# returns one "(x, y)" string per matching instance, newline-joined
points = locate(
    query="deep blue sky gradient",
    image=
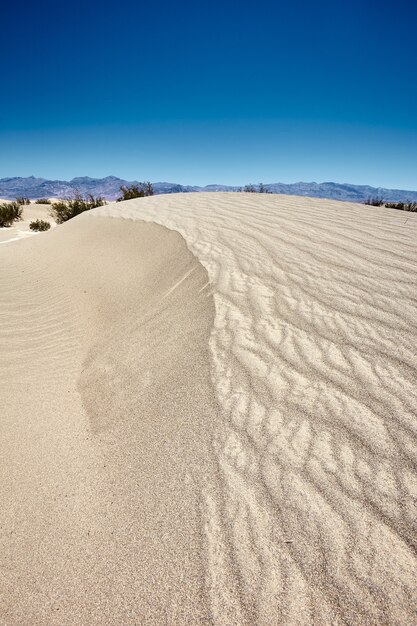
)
(221, 92)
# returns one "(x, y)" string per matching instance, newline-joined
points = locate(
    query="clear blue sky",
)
(215, 92)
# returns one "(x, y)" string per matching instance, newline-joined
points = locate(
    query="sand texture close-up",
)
(208, 413)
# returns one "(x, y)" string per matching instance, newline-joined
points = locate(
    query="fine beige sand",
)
(208, 415)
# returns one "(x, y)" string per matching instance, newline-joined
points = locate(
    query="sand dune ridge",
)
(312, 517)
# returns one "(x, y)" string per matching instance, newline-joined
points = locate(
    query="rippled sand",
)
(225, 434)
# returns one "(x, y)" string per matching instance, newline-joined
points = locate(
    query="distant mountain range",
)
(109, 187)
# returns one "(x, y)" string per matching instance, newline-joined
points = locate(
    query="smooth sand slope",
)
(224, 433)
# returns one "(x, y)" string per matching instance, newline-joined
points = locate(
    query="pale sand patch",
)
(294, 503)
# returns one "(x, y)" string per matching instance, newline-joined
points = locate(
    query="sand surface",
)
(211, 420)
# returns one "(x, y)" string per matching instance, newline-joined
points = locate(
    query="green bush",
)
(374, 201)
(64, 210)
(402, 206)
(263, 189)
(135, 191)
(252, 188)
(22, 200)
(43, 201)
(39, 225)
(10, 212)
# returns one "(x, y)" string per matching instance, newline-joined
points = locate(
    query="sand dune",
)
(221, 434)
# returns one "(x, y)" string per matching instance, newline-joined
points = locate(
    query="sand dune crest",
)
(312, 518)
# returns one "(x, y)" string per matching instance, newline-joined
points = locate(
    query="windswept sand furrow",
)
(310, 517)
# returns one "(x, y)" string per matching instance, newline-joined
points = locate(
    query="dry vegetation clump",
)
(139, 190)
(10, 212)
(39, 225)
(402, 206)
(22, 200)
(374, 201)
(64, 210)
(253, 189)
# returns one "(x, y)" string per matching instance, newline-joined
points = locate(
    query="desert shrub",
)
(10, 212)
(43, 201)
(22, 200)
(252, 188)
(263, 189)
(39, 225)
(374, 201)
(402, 206)
(65, 210)
(135, 191)
(395, 205)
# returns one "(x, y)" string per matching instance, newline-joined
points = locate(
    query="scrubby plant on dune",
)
(374, 201)
(22, 200)
(252, 188)
(10, 212)
(64, 210)
(135, 191)
(39, 225)
(43, 201)
(402, 206)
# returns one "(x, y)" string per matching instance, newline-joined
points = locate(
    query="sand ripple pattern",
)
(311, 516)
